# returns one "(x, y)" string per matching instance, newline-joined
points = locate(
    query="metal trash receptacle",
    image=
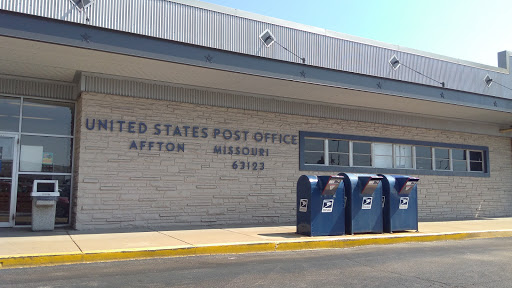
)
(363, 212)
(45, 194)
(320, 210)
(400, 209)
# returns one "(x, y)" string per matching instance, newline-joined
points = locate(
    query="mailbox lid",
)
(369, 183)
(405, 184)
(332, 185)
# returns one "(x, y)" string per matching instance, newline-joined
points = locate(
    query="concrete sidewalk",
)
(24, 248)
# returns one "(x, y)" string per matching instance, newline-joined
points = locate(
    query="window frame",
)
(19, 133)
(469, 160)
(380, 140)
(327, 151)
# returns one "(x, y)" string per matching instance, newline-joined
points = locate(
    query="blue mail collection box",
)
(400, 203)
(363, 212)
(320, 210)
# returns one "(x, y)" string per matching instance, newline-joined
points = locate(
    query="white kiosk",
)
(44, 202)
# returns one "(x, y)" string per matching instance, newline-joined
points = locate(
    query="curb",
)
(116, 255)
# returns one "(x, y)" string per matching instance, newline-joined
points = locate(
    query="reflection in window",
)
(362, 155)
(442, 159)
(6, 156)
(24, 201)
(423, 157)
(339, 152)
(460, 162)
(9, 114)
(314, 151)
(476, 161)
(47, 117)
(5, 199)
(348, 153)
(45, 154)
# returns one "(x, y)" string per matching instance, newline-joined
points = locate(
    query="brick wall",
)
(116, 186)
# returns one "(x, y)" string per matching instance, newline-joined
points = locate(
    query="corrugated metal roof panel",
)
(222, 30)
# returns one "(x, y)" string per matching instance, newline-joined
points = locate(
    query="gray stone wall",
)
(116, 186)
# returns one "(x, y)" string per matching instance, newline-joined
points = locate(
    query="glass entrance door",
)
(8, 178)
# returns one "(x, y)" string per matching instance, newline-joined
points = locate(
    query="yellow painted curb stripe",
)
(45, 260)
(347, 243)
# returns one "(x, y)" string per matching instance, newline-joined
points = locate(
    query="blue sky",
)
(470, 30)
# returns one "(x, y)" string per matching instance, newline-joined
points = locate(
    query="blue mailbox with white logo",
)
(363, 212)
(320, 210)
(400, 203)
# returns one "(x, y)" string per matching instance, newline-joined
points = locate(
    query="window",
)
(314, 151)
(9, 114)
(476, 161)
(361, 154)
(403, 156)
(45, 131)
(442, 159)
(383, 155)
(45, 154)
(24, 201)
(459, 160)
(423, 157)
(339, 152)
(46, 117)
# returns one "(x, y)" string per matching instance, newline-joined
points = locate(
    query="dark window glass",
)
(476, 161)
(45, 187)
(338, 146)
(314, 158)
(475, 156)
(5, 199)
(9, 114)
(45, 154)
(476, 166)
(460, 166)
(362, 160)
(338, 159)
(47, 117)
(314, 145)
(442, 164)
(458, 154)
(24, 201)
(442, 153)
(424, 163)
(423, 152)
(7, 145)
(362, 148)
